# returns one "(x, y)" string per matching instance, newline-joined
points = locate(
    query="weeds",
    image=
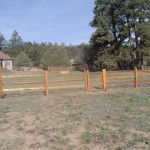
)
(117, 120)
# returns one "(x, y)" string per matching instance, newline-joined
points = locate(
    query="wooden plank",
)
(120, 82)
(23, 89)
(120, 71)
(46, 83)
(65, 87)
(93, 79)
(22, 76)
(16, 83)
(95, 73)
(69, 74)
(66, 80)
(143, 70)
(119, 77)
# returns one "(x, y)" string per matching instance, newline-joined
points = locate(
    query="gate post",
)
(86, 85)
(135, 77)
(46, 83)
(104, 79)
(87, 80)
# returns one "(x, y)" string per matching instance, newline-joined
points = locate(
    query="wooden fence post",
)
(86, 82)
(135, 77)
(104, 79)
(46, 83)
(1, 87)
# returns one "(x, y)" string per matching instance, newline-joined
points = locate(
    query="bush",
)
(23, 60)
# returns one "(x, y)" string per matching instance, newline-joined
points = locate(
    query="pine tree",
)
(23, 61)
(55, 56)
(2, 41)
(15, 39)
(120, 32)
(139, 26)
(15, 45)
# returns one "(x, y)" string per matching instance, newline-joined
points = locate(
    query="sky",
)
(55, 21)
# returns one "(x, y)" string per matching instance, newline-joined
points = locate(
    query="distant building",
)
(5, 61)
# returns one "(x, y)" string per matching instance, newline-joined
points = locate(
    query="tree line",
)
(39, 54)
(121, 40)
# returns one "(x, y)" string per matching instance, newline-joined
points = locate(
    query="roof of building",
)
(4, 56)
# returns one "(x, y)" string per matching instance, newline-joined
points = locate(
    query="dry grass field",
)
(118, 119)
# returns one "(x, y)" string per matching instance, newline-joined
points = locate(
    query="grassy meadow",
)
(118, 119)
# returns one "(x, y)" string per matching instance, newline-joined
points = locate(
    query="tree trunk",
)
(138, 59)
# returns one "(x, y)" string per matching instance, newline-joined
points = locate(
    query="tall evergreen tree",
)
(2, 41)
(138, 13)
(15, 45)
(15, 39)
(120, 34)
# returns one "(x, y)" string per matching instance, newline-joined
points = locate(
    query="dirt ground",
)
(118, 119)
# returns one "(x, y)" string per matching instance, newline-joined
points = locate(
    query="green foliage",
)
(36, 51)
(15, 39)
(55, 56)
(14, 46)
(82, 56)
(107, 62)
(2, 41)
(73, 51)
(23, 60)
(122, 32)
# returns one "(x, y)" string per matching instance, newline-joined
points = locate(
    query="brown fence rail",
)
(60, 68)
(86, 79)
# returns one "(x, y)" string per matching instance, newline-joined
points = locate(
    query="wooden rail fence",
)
(103, 80)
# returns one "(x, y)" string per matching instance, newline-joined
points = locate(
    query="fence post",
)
(1, 87)
(46, 83)
(86, 85)
(104, 79)
(135, 77)
(88, 81)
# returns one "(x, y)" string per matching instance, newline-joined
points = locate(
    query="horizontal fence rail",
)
(60, 68)
(86, 79)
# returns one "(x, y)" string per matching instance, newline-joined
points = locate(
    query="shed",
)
(5, 61)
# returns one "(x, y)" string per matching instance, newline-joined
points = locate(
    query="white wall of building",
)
(7, 64)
